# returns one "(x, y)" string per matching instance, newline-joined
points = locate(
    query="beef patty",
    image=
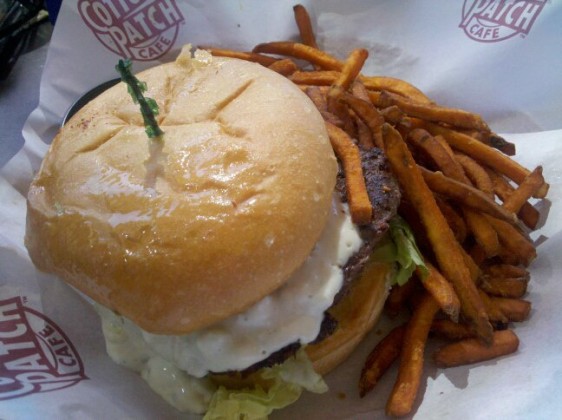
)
(384, 194)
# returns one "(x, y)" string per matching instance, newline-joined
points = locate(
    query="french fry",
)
(441, 290)
(473, 351)
(431, 112)
(405, 390)
(446, 328)
(465, 195)
(286, 67)
(359, 203)
(447, 250)
(301, 51)
(529, 187)
(484, 154)
(380, 359)
(302, 19)
(264, 60)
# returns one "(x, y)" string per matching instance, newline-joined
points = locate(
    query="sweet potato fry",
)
(351, 68)
(454, 219)
(510, 287)
(264, 60)
(514, 241)
(495, 313)
(483, 232)
(526, 190)
(338, 108)
(368, 114)
(507, 270)
(399, 296)
(304, 52)
(407, 383)
(497, 142)
(286, 67)
(477, 174)
(503, 189)
(316, 78)
(448, 329)
(302, 19)
(484, 154)
(515, 310)
(398, 86)
(380, 359)
(359, 203)
(473, 351)
(394, 116)
(446, 163)
(447, 250)
(359, 90)
(319, 98)
(432, 112)
(441, 290)
(465, 194)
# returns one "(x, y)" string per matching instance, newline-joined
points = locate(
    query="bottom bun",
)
(356, 315)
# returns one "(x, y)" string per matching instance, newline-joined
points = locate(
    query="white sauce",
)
(293, 313)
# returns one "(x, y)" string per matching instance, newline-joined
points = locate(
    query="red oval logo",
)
(35, 354)
(497, 20)
(138, 30)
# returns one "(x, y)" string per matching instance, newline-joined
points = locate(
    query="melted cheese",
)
(172, 364)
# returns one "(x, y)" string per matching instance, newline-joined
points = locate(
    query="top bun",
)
(232, 204)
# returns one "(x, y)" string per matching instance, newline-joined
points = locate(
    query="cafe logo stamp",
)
(497, 20)
(35, 354)
(134, 29)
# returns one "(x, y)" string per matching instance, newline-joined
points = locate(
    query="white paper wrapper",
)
(513, 82)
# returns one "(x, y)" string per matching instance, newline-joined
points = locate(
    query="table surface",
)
(19, 94)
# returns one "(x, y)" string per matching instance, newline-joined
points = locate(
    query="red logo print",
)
(139, 30)
(497, 20)
(35, 355)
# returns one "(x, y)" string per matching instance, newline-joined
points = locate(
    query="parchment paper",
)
(514, 83)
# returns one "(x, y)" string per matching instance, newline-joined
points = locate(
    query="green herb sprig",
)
(148, 106)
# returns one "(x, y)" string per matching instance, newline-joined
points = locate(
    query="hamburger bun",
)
(234, 203)
(356, 314)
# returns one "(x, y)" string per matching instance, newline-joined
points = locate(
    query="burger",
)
(221, 256)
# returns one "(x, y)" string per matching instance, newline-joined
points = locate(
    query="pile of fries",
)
(465, 198)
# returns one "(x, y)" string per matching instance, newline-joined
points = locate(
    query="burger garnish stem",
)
(148, 106)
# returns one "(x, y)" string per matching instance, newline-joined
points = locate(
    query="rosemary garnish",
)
(148, 106)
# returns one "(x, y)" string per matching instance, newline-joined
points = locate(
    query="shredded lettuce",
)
(288, 381)
(401, 248)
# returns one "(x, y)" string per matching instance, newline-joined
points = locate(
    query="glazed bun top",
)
(178, 233)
